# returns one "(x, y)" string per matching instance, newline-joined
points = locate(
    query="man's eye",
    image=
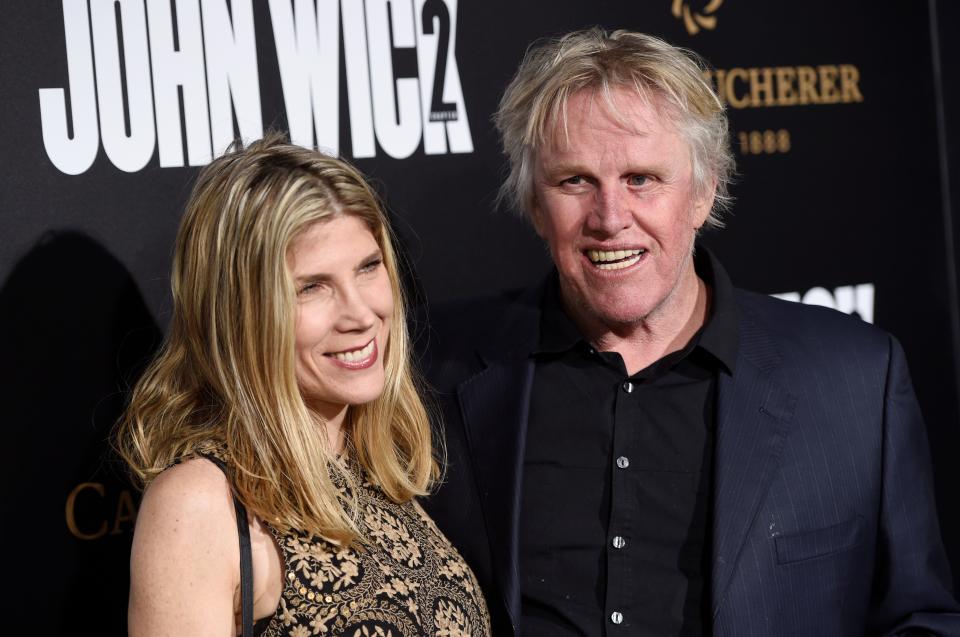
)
(637, 180)
(576, 180)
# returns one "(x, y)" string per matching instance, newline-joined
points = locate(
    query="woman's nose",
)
(355, 312)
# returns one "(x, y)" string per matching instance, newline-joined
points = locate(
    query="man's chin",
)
(607, 309)
(614, 316)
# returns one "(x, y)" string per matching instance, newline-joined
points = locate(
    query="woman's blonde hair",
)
(226, 373)
(553, 71)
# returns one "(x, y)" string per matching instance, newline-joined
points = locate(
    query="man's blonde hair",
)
(226, 372)
(552, 71)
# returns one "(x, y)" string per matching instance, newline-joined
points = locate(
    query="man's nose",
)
(611, 210)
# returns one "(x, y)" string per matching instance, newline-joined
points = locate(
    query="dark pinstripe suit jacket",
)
(824, 520)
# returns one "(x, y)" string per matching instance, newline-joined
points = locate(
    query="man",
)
(638, 448)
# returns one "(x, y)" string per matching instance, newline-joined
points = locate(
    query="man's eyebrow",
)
(561, 166)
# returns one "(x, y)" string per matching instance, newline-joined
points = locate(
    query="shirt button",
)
(619, 542)
(623, 462)
(616, 617)
(627, 386)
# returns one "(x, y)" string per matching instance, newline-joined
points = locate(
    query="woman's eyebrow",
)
(313, 278)
(376, 254)
(321, 277)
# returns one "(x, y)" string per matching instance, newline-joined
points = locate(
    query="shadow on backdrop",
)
(74, 336)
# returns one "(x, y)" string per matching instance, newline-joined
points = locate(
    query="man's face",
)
(619, 209)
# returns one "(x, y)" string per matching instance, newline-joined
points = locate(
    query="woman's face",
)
(344, 306)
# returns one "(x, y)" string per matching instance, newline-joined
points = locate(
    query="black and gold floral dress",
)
(405, 580)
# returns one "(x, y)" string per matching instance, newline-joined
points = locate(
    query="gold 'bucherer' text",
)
(787, 85)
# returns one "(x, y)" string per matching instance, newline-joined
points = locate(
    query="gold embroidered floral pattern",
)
(406, 580)
(387, 531)
(451, 620)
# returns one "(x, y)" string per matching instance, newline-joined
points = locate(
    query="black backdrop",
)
(844, 125)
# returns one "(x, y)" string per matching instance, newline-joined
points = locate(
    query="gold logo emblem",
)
(696, 20)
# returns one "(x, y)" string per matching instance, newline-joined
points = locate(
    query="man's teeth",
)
(614, 259)
(355, 355)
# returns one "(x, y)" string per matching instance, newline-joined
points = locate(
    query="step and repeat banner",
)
(110, 107)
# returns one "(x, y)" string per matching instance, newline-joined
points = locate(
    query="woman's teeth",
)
(355, 355)
(614, 259)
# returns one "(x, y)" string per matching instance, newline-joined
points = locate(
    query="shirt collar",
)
(718, 337)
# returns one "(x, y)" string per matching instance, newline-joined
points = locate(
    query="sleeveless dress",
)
(405, 580)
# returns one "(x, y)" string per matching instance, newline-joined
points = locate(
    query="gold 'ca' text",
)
(86, 502)
(787, 85)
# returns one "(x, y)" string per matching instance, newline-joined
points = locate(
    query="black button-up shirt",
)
(615, 513)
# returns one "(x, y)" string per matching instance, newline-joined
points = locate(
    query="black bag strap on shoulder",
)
(246, 559)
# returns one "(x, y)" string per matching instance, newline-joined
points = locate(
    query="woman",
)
(283, 406)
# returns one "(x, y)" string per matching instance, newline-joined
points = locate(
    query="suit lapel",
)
(754, 413)
(494, 404)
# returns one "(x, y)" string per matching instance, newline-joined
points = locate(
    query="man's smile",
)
(615, 259)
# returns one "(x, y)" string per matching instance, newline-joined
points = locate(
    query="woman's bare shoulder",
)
(193, 486)
(187, 505)
(185, 557)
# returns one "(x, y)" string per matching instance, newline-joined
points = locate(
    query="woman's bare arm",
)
(185, 560)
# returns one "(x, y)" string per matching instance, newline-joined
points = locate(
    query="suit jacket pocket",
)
(821, 542)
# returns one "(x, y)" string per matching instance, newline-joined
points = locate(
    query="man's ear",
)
(703, 203)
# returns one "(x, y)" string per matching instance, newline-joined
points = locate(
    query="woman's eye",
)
(637, 180)
(370, 266)
(312, 288)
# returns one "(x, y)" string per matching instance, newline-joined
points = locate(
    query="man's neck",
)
(646, 341)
